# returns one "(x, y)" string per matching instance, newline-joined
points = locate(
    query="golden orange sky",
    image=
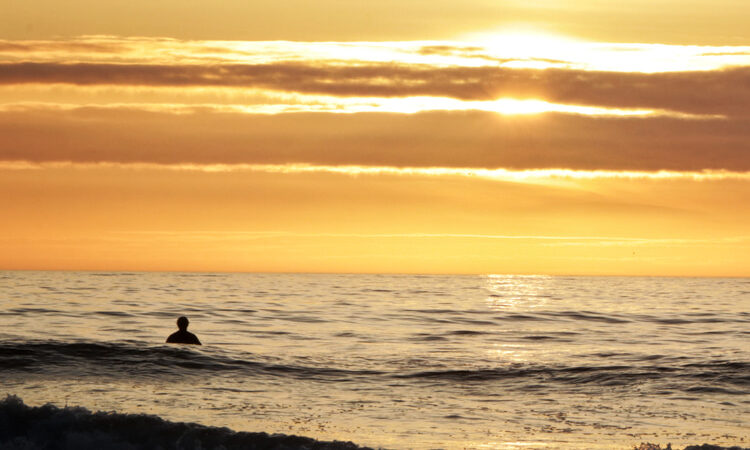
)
(577, 137)
(699, 22)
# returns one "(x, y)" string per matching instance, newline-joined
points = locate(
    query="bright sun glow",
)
(530, 49)
(524, 44)
(410, 105)
(535, 176)
(541, 50)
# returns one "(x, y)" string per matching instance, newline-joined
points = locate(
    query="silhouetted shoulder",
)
(183, 337)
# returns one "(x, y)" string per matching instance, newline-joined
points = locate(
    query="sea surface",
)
(391, 361)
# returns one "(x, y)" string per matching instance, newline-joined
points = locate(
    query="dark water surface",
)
(393, 361)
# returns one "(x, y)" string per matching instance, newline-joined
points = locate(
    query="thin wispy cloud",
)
(206, 235)
(488, 50)
(531, 176)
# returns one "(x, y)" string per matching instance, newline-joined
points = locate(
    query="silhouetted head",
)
(182, 323)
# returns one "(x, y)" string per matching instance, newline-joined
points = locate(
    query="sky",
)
(582, 137)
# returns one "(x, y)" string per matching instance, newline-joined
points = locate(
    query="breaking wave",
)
(48, 427)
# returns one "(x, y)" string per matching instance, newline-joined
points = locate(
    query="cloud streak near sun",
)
(722, 91)
(683, 79)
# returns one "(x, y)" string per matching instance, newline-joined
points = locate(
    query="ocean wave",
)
(79, 359)
(717, 377)
(48, 427)
(134, 359)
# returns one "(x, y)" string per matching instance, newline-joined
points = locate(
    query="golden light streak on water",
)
(511, 292)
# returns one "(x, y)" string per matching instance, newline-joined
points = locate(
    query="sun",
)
(528, 44)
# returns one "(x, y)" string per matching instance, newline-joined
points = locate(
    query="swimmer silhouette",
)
(183, 336)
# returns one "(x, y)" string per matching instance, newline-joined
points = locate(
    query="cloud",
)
(529, 176)
(725, 92)
(203, 235)
(481, 53)
(60, 46)
(435, 139)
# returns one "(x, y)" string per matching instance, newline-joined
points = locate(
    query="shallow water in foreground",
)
(393, 361)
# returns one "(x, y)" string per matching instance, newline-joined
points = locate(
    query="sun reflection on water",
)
(512, 445)
(517, 292)
(509, 353)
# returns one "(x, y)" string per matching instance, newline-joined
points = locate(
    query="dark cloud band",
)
(722, 92)
(445, 139)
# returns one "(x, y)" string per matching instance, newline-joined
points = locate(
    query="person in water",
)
(183, 336)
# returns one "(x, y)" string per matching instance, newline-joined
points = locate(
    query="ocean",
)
(382, 361)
